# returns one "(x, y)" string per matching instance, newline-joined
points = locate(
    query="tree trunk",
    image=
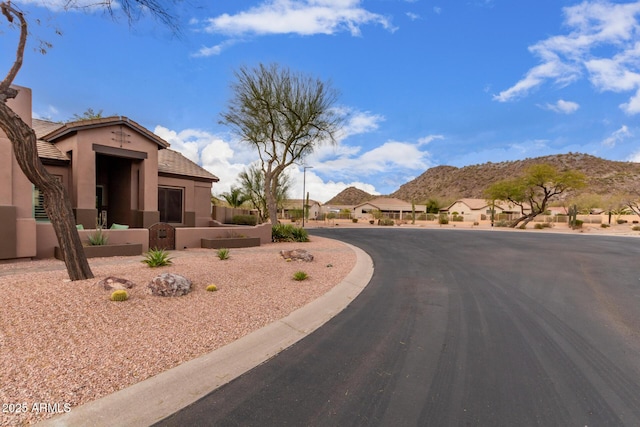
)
(56, 200)
(272, 207)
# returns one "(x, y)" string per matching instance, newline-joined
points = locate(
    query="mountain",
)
(448, 183)
(350, 196)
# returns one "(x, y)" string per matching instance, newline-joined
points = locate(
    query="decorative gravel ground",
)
(63, 344)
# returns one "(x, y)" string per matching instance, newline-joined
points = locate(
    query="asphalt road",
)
(485, 328)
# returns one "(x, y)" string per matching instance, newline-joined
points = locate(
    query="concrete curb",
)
(151, 400)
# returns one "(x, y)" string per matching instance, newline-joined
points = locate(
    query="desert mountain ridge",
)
(449, 183)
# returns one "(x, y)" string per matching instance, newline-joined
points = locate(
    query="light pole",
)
(304, 182)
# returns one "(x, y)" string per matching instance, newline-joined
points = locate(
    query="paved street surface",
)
(458, 328)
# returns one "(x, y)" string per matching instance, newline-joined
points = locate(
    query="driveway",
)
(460, 328)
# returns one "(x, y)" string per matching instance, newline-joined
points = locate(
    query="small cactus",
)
(120, 295)
(212, 288)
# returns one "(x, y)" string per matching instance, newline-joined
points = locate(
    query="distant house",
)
(114, 170)
(475, 208)
(388, 207)
(292, 208)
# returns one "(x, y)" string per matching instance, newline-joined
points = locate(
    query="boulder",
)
(113, 283)
(169, 285)
(297, 255)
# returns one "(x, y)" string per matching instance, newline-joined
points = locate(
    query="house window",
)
(170, 204)
(39, 214)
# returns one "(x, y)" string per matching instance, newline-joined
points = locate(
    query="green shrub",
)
(212, 288)
(605, 225)
(354, 220)
(372, 221)
(636, 228)
(288, 233)
(443, 219)
(621, 221)
(119, 295)
(578, 223)
(244, 219)
(457, 218)
(300, 276)
(223, 253)
(157, 258)
(98, 238)
(522, 226)
(502, 223)
(386, 222)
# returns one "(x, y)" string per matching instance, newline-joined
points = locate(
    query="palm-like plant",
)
(235, 197)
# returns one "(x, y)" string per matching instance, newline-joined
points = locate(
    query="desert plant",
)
(244, 219)
(354, 220)
(212, 288)
(98, 237)
(119, 295)
(577, 224)
(157, 258)
(636, 228)
(443, 219)
(502, 223)
(605, 225)
(223, 253)
(288, 233)
(300, 276)
(386, 222)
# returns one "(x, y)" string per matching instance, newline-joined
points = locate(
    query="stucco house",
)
(388, 206)
(114, 170)
(475, 208)
(293, 207)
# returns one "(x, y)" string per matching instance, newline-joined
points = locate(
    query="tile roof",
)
(173, 163)
(47, 150)
(386, 202)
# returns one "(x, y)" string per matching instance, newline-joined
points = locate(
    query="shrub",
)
(443, 219)
(457, 218)
(223, 253)
(578, 223)
(354, 220)
(522, 226)
(621, 221)
(541, 225)
(636, 228)
(212, 288)
(119, 295)
(300, 276)
(98, 237)
(386, 222)
(157, 258)
(372, 221)
(604, 225)
(502, 223)
(288, 233)
(244, 219)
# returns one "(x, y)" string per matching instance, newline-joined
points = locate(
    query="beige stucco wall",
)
(19, 192)
(190, 237)
(197, 199)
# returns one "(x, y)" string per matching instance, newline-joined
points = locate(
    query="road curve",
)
(460, 328)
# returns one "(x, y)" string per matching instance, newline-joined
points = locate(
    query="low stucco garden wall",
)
(190, 237)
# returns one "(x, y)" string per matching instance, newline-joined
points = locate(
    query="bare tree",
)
(284, 115)
(23, 139)
(252, 184)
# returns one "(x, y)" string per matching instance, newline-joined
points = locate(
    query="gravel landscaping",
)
(63, 344)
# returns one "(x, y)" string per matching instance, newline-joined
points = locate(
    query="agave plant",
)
(157, 258)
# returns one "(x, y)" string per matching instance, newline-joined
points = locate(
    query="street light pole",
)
(304, 182)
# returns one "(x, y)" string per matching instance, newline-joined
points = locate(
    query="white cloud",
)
(562, 106)
(428, 139)
(595, 27)
(413, 16)
(214, 50)
(306, 17)
(617, 136)
(320, 189)
(635, 157)
(437, 10)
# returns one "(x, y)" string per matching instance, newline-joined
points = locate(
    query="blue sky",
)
(423, 83)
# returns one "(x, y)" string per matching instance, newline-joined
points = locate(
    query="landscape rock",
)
(169, 285)
(113, 283)
(297, 255)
